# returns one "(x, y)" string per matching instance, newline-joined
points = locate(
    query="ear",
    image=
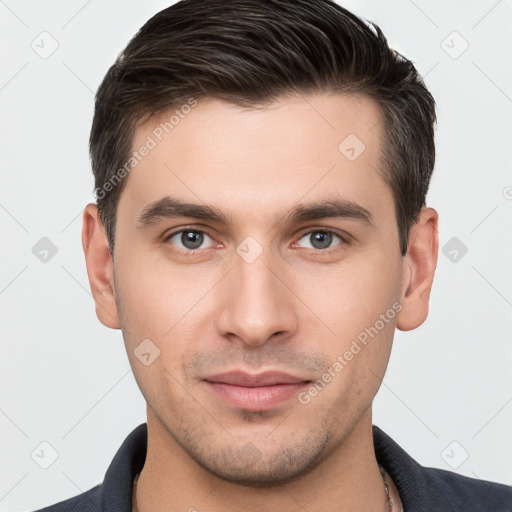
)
(99, 267)
(419, 265)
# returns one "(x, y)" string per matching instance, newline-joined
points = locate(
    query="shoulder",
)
(88, 501)
(423, 489)
(467, 493)
(115, 491)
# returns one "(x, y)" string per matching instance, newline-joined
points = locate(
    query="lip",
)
(255, 392)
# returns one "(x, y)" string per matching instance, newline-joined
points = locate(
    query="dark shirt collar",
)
(128, 461)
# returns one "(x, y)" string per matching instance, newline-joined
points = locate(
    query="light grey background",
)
(65, 378)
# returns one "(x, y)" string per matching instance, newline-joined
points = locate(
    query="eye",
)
(188, 239)
(320, 239)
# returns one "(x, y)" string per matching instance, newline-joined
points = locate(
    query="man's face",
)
(260, 291)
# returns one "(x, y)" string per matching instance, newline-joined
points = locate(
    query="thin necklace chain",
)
(389, 504)
(389, 501)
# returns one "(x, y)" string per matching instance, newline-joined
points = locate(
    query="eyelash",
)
(344, 239)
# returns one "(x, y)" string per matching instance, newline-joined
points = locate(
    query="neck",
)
(348, 479)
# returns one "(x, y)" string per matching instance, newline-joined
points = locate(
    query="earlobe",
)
(99, 267)
(419, 266)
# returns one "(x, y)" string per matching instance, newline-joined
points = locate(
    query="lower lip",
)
(258, 398)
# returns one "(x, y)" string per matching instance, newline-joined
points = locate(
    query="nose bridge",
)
(257, 304)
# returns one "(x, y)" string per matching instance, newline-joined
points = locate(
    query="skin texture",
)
(295, 308)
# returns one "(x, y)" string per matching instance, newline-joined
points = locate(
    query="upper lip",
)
(239, 378)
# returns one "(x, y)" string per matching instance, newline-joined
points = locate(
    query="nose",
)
(256, 305)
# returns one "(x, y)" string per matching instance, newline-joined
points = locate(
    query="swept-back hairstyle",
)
(250, 53)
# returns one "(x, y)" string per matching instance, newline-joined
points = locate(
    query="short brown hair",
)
(251, 52)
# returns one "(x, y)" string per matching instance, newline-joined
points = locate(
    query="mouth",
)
(255, 392)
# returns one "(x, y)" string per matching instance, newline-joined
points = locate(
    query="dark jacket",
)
(421, 489)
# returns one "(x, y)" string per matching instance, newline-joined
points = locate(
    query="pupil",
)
(321, 239)
(191, 239)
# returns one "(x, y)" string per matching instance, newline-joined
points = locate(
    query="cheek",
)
(169, 306)
(359, 304)
(350, 298)
(155, 294)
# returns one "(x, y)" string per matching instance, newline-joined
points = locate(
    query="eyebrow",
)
(171, 207)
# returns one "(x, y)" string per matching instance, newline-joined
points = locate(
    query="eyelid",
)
(344, 236)
(187, 227)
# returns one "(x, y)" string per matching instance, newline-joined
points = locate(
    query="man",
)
(260, 232)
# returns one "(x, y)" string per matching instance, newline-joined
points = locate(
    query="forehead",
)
(268, 159)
